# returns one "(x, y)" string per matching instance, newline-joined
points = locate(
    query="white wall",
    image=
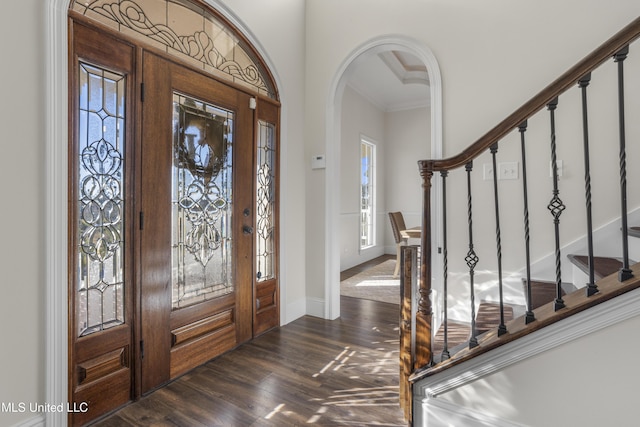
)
(22, 216)
(360, 119)
(408, 135)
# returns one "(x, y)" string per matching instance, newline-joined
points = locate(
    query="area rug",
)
(376, 283)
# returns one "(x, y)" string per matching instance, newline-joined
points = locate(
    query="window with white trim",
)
(367, 193)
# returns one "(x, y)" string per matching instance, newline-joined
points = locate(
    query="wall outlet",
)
(508, 170)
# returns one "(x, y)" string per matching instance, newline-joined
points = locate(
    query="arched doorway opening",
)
(432, 143)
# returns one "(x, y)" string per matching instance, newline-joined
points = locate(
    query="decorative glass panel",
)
(201, 201)
(186, 30)
(265, 202)
(100, 296)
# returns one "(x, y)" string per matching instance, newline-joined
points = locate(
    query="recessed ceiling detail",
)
(407, 67)
(391, 80)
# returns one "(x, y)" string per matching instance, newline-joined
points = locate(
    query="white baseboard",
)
(295, 310)
(315, 307)
(442, 413)
(36, 421)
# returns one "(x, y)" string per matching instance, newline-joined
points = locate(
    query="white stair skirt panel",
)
(426, 391)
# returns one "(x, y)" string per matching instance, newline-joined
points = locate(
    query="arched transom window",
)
(188, 31)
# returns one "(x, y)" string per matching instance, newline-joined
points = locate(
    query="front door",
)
(196, 211)
(171, 170)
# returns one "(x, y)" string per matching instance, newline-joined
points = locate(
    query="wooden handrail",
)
(535, 104)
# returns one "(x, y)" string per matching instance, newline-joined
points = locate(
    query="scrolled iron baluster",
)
(556, 206)
(591, 288)
(471, 258)
(529, 316)
(502, 329)
(445, 351)
(625, 272)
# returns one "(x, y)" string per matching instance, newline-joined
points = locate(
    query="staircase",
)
(558, 309)
(543, 293)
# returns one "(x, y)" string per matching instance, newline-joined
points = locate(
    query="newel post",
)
(424, 314)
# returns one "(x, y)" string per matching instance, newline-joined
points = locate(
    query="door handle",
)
(247, 230)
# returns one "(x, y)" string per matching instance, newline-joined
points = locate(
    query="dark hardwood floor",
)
(310, 372)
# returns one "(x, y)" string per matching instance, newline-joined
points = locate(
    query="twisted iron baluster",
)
(625, 272)
(591, 288)
(471, 258)
(502, 329)
(445, 351)
(556, 206)
(529, 316)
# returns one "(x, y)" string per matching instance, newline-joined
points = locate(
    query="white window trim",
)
(374, 189)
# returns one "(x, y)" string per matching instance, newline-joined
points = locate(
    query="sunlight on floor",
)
(339, 406)
(275, 411)
(381, 396)
(333, 362)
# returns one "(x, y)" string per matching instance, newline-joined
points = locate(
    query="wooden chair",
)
(398, 225)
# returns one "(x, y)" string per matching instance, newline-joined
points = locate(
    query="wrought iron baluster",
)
(625, 272)
(591, 288)
(529, 316)
(502, 329)
(471, 258)
(556, 206)
(445, 351)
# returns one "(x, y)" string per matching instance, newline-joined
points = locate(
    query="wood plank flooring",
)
(310, 372)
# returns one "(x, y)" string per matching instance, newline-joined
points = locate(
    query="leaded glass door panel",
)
(197, 203)
(266, 313)
(202, 202)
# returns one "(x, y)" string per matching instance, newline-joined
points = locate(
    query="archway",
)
(333, 141)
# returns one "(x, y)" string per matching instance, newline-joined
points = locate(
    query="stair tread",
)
(634, 231)
(457, 333)
(488, 316)
(542, 292)
(603, 266)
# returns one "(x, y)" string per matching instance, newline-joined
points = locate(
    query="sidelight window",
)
(265, 202)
